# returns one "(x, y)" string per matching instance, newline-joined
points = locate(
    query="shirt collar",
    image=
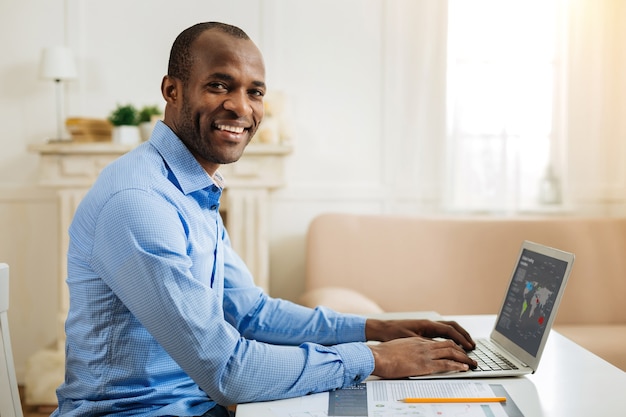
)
(188, 172)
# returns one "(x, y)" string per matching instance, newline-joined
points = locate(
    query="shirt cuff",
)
(358, 362)
(351, 328)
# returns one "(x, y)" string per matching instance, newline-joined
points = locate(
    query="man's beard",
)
(190, 133)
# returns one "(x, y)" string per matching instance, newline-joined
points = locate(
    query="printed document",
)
(382, 398)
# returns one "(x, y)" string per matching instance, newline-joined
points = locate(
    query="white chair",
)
(10, 405)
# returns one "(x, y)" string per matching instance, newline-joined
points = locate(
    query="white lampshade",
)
(57, 63)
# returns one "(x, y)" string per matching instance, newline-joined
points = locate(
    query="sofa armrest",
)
(343, 300)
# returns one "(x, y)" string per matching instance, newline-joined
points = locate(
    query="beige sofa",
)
(371, 263)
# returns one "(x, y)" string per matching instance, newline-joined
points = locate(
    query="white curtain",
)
(596, 106)
(502, 92)
(505, 63)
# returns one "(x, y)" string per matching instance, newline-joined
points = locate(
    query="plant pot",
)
(126, 135)
(146, 129)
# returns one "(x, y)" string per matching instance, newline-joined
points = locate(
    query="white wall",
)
(325, 55)
(364, 82)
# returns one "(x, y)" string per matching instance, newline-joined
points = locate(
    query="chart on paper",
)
(384, 398)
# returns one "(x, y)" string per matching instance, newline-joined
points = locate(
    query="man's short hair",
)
(181, 58)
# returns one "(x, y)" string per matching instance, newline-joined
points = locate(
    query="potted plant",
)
(148, 116)
(125, 121)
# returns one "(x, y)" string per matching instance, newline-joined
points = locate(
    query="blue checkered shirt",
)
(164, 317)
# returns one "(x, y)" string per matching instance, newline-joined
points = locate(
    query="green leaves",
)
(124, 115)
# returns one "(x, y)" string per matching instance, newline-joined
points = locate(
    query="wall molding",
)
(26, 194)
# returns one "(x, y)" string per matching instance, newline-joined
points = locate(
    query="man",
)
(164, 317)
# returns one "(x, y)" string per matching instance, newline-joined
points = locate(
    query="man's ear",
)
(171, 88)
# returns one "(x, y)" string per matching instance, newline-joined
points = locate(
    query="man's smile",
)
(232, 129)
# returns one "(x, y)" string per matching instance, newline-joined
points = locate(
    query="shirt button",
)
(213, 207)
(357, 378)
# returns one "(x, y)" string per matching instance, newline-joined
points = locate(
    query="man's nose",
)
(238, 103)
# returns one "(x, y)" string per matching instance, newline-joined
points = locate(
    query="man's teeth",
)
(233, 129)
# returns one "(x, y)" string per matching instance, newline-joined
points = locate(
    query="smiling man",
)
(214, 92)
(164, 318)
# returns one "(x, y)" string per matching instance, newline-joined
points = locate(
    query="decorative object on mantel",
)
(125, 121)
(148, 116)
(57, 63)
(274, 128)
(84, 129)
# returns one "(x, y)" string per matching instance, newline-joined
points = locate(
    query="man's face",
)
(221, 106)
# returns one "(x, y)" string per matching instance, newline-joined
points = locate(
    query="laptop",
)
(526, 316)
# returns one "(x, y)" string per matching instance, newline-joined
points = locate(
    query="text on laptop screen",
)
(530, 299)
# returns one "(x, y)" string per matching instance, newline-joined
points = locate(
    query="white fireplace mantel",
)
(71, 168)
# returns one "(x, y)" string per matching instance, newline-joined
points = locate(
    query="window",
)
(503, 78)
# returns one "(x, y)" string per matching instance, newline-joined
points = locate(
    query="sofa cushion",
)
(339, 299)
(606, 341)
(457, 265)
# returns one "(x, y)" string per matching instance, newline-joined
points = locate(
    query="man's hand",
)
(385, 330)
(409, 350)
(413, 356)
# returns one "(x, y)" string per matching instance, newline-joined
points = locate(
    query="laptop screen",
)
(530, 299)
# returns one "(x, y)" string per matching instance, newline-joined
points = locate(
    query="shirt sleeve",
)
(141, 252)
(260, 317)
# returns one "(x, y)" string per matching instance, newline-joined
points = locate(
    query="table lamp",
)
(57, 63)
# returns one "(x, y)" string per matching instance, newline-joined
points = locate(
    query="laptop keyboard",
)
(488, 358)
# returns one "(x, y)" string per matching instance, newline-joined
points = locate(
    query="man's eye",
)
(217, 86)
(258, 93)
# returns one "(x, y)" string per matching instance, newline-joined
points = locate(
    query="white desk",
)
(570, 381)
